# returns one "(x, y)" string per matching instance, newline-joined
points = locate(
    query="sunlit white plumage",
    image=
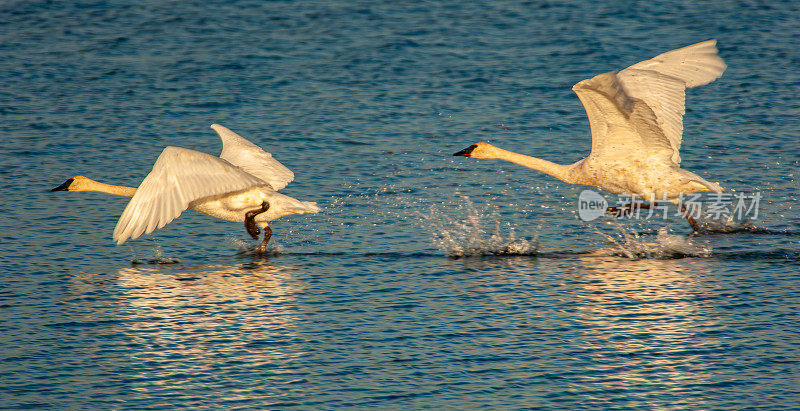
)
(636, 120)
(252, 159)
(242, 179)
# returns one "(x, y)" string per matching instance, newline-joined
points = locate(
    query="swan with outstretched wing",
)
(636, 120)
(240, 185)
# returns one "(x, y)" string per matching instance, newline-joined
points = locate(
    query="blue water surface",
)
(428, 281)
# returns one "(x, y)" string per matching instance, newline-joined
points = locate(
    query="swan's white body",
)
(636, 120)
(241, 179)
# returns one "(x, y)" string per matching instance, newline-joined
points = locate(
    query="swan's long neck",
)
(558, 171)
(87, 184)
(116, 190)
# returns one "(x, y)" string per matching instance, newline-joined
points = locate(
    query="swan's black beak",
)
(467, 151)
(63, 187)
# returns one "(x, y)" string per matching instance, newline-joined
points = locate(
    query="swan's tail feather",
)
(305, 207)
(706, 185)
(292, 205)
(712, 186)
(696, 184)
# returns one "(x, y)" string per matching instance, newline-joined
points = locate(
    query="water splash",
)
(469, 237)
(727, 226)
(157, 258)
(247, 248)
(632, 245)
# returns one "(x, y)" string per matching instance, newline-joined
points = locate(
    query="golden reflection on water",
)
(641, 320)
(646, 286)
(247, 284)
(199, 318)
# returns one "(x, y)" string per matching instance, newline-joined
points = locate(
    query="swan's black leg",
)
(250, 222)
(627, 209)
(692, 221)
(267, 235)
(619, 211)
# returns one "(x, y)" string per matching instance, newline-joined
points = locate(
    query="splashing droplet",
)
(468, 237)
(630, 244)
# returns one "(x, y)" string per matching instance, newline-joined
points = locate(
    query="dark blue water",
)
(362, 306)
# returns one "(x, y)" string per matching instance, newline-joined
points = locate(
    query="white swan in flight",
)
(636, 120)
(240, 185)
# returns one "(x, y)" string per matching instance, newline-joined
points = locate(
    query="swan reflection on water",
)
(250, 283)
(644, 322)
(204, 320)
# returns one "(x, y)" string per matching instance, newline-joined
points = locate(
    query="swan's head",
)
(477, 150)
(77, 183)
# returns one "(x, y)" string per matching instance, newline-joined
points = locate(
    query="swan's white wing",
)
(661, 83)
(251, 158)
(695, 65)
(179, 177)
(621, 126)
(641, 107)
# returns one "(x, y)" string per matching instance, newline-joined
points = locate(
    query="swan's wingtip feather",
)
(226, 135)
(119, 236)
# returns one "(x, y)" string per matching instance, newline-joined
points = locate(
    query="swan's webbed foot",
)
(695, 225)
(252, 229)
(692, 222)
(250, 222)
(267, 234)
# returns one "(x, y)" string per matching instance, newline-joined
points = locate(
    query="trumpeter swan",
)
(636, 120)
(240, 185)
